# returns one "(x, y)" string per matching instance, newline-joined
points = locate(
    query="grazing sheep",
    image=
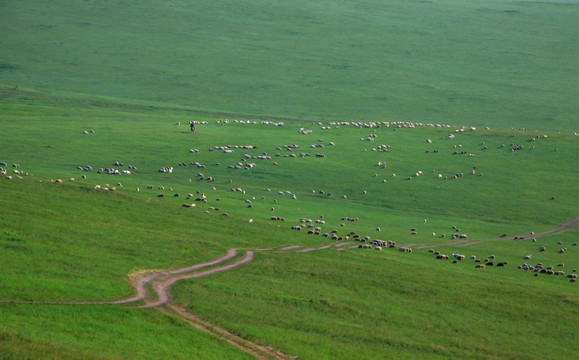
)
(442, 257)
(479, 266)
(542, 249)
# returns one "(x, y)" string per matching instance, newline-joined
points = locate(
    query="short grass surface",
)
(71, 242)
(103, 332)
(366, 304)
(137, 73)
(485, 63)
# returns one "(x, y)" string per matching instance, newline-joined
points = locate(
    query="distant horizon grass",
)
(480, 63)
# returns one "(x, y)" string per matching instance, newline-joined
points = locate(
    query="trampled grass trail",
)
(560, 229)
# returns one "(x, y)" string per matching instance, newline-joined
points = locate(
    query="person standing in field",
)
(192, 124)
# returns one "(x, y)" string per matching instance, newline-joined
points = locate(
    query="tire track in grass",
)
(163, 286)
(260, 352)
(140, 283)
(559, 229)
(161, 283)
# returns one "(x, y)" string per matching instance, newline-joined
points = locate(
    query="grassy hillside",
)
(365, 304)
(482, 63)
(71, 242)
(418, 120)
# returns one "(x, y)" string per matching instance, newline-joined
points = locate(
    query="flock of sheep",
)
(366, 242)
(18, 174)
(248, 161)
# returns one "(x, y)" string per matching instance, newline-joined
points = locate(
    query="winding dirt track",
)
(161, 282)
(163, 285)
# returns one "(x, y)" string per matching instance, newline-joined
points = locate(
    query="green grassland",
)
(137, 73)
(485, 63)
(70, 242)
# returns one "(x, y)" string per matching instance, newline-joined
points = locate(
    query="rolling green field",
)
(481, 63)
(443, 117)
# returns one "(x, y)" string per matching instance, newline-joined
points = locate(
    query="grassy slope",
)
(481, 63)
(103, 332)
(70, 242)
(365, 304)
(400, 61)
